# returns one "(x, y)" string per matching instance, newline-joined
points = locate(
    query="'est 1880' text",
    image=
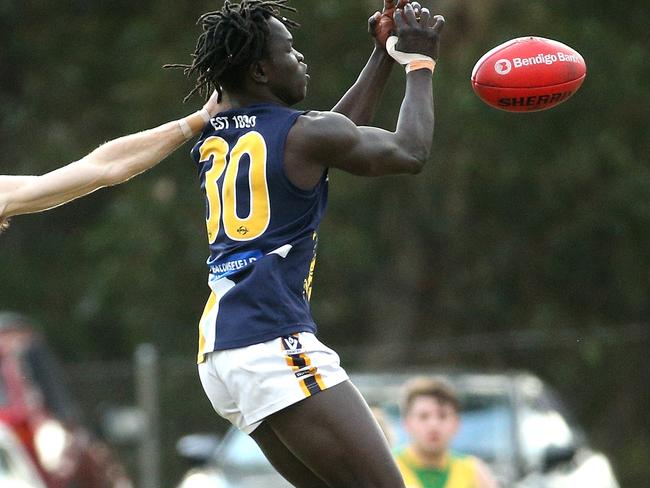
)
(234, 121)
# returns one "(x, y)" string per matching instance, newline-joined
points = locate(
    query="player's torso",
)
(459, 473)
(261, 228)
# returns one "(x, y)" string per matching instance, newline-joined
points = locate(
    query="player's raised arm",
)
(360, 101)
(110, 164)
(327, 139)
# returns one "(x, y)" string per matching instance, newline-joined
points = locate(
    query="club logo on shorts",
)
(503, 66)
(291, 343)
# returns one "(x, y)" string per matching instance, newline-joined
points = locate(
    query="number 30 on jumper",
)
(222, 201)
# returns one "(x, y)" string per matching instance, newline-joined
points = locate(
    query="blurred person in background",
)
(430, 411)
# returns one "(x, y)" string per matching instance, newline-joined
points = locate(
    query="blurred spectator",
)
(430, 413)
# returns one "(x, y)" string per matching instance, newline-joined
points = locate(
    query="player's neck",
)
(436, 460)
(244, 99)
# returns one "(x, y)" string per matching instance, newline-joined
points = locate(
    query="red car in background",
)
(36, 404)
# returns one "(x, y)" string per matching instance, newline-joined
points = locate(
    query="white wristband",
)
(402, 57)
(421, 64)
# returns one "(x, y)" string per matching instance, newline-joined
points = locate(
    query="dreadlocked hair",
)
(232, 39)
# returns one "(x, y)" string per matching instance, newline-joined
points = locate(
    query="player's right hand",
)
(418, 31)
(381, 25)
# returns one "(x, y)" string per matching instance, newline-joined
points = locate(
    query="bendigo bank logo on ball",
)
(504, 66)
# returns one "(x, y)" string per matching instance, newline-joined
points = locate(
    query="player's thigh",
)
(336, 436)
(284, 461)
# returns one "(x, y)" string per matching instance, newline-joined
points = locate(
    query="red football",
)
(528, 74)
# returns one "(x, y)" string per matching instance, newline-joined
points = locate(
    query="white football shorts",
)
(247, 384)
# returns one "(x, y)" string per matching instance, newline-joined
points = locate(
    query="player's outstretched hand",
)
(214, 106)
(418, 31)
(381, 25)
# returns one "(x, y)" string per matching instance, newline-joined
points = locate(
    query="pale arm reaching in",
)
(110, 164)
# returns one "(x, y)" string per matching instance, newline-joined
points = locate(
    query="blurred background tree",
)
(534, 222)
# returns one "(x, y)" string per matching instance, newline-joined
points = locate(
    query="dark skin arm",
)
(360, 101)
(320, 140)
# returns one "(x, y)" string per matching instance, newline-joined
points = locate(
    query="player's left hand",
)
(381, 25)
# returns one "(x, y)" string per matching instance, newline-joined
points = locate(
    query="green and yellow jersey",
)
(459, 471)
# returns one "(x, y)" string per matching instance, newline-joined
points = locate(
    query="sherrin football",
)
(528, 74)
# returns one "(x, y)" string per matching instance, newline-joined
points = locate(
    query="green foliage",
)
(534, 221)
